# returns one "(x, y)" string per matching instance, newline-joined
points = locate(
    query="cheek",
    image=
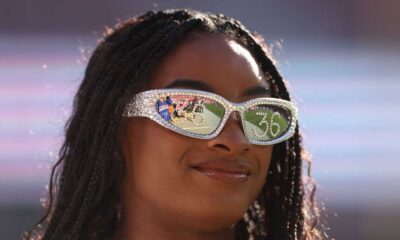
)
(149, 143)
(266, 162)
(264, 157)
(153, 158)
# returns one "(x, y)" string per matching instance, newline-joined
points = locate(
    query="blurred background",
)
(342, 59)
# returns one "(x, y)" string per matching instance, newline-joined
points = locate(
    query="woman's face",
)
(163, 180)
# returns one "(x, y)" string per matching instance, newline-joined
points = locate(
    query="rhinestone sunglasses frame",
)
(143, 105)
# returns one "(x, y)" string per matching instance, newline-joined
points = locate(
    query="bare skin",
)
(163, 197)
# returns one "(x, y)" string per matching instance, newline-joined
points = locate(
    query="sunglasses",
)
(202, 115)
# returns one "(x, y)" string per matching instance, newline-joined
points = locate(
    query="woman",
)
(127, 173)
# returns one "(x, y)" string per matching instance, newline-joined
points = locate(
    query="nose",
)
(231, 140)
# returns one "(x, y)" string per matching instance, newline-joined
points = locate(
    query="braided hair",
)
(85, 181)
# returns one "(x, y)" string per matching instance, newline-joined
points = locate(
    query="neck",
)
(149, 224)
(142, 231)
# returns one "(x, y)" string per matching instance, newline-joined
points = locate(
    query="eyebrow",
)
(189, 83)
(199, 85)
(257, 90)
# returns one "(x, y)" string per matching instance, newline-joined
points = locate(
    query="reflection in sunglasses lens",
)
(199, 115)
(266, 122)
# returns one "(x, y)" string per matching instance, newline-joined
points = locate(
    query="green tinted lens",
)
(266, 122)
(199, 115)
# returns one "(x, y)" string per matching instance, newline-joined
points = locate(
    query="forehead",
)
(226, 66)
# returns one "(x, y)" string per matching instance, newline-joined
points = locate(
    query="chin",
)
(215, 217)
(213, 223)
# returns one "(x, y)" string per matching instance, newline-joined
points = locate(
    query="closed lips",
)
(227, 166)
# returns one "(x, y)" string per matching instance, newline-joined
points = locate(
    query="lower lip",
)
(227, 177)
